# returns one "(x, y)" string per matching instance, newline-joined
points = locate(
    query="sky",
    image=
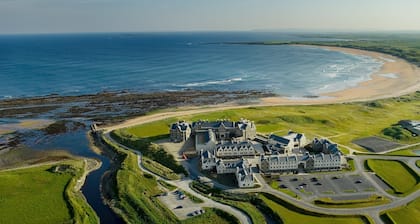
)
(69, 16)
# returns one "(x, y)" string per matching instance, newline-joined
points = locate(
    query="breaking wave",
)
(209, 83)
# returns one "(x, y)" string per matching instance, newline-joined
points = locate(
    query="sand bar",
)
(396, 77)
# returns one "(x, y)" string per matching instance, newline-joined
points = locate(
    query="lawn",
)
(291, 216)
(407, 214)
(396, 174)
(212, 215)
(405, 152)
(343, 123)
(418, 163)
(37, 195)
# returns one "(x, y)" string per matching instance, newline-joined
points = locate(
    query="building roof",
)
(279, 139)
(280, 158)
(207, 154)
(181, 125)
(214, 124)
(322, 156)
(238, 145)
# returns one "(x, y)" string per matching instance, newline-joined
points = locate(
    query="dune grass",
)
(342, 123)
(406, 214)
(37, 195)
(292, 216)
(396, 174)
(159, 169)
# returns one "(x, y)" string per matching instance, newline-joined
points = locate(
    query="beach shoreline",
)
(394, 78)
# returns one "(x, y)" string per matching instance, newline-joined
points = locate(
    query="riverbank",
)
(90, 165)
(57, 198)
(396, 77)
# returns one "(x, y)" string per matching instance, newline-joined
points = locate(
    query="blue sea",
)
(75, 64)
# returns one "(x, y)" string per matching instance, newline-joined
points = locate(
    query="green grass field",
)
(407, 214)
(342, 123)
(36, 195)
(291, 216)
(418, 163)
(396, 174)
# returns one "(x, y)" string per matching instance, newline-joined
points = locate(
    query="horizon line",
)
(286, 30)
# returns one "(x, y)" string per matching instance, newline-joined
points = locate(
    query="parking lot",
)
(180, 205)
(338, 186)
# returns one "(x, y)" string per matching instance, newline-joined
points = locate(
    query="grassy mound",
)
(397, 132)
(290, 214)
(396, 174)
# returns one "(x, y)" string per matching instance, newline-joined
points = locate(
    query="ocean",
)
(75, 64)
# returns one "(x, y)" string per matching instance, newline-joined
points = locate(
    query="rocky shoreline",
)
(116, 106)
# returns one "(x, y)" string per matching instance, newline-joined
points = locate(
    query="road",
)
(373, 211)
(399, 148)
(184, 185)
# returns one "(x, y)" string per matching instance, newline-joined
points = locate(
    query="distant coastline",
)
(396, 77)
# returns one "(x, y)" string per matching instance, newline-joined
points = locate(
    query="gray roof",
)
(180, 125)
(282, 158)
(206, 154)
(214, 124)
(279, 139)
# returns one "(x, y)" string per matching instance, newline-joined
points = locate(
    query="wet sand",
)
(396, 77)
(24, 124)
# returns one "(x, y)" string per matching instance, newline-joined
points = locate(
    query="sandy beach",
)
(396, 77)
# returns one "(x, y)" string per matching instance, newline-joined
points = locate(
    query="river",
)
(77, 143)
